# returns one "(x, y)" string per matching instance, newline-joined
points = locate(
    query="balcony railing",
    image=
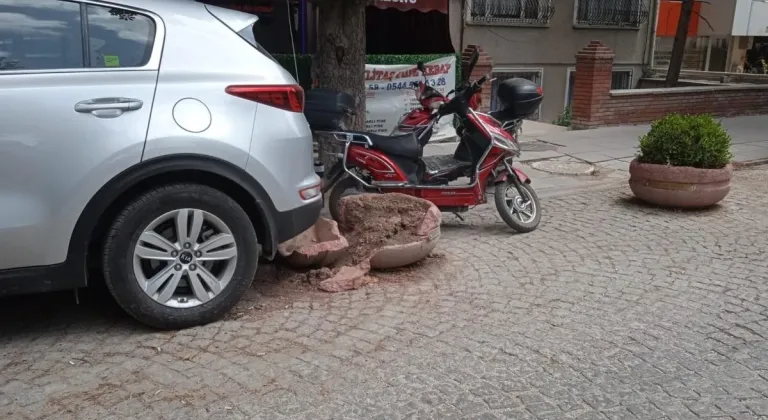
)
(618, 13)
(511, 12)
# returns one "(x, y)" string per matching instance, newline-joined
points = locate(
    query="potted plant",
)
(684, 162)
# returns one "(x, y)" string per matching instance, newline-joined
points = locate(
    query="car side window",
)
(118, 37)
(40, 35)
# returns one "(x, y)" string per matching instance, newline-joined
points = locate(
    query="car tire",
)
(122, 255)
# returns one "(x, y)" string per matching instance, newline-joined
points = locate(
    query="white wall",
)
(750, 18)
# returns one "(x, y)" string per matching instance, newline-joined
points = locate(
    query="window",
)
(534, 75)
(119, 38)
(511, 12)
(48, 34)
(620, 79)
(247, 34)
(40, 35)
(616, 13)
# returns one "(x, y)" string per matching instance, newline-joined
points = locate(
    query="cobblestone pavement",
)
(611, 310)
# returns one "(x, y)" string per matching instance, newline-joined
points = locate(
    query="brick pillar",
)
(592, 85)
(483, 67)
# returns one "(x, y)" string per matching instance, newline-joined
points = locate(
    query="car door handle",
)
(108, 104)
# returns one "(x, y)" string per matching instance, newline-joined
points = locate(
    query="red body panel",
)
(475, 102)
(383, 169)
(380, 165)
(415, 118)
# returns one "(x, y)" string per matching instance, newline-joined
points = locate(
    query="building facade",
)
(539, 39)
(724, 35)
(534, 39)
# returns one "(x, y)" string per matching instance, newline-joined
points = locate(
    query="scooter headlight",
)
(503, 143)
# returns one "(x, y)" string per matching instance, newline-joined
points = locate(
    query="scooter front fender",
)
(502, 176)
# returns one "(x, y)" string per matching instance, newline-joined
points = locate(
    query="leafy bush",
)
(697, 141)
(564, 119)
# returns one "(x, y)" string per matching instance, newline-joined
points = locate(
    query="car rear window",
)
(118, 37)
(241, 23)
(247, 34)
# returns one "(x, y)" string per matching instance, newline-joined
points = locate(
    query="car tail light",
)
(539, 90)
(311, 192)
(287, 97)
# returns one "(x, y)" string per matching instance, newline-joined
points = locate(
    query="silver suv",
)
(153, 141)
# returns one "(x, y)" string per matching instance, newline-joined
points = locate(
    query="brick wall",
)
(595, 104)
(483, 67)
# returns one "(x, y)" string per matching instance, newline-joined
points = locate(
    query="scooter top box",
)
(519, 98)
(325, 109)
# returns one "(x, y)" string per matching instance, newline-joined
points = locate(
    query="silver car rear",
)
(156, 141)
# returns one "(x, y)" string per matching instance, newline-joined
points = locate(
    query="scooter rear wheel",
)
(522, 214)
(344, 187)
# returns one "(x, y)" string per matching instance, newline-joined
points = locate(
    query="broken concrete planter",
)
(319, 246)
(679, 187)
(394, 256)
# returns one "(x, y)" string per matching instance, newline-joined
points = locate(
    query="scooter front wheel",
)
(344, 187)
(522, 214)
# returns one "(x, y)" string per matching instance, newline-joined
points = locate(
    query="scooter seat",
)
(405, 145)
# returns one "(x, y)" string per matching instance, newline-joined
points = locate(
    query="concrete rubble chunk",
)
(376, 231)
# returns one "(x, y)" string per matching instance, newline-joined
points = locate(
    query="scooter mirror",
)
(420, 66)
(471, 65)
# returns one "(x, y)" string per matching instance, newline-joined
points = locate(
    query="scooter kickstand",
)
(459, 216)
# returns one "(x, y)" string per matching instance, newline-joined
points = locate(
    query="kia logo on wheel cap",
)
(185, 258)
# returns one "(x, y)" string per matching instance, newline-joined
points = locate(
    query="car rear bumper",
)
(293, 222)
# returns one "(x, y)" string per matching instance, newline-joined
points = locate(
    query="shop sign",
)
(391, 91)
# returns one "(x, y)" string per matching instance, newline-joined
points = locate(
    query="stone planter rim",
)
(671, 173)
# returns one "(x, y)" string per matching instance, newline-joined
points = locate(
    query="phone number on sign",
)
(405, 85)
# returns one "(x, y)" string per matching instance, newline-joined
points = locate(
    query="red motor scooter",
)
(388, 164)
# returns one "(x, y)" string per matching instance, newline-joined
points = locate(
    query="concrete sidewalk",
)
(610, 146)
(615, 147)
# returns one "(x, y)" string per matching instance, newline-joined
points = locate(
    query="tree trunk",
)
(678, 48)
(339, 62)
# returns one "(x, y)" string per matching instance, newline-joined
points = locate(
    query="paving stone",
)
(610, 310)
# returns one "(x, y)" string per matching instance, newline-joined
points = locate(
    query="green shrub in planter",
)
(684, 162)
(696, 141)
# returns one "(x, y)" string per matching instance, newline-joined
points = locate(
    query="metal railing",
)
(512, 12)
(619, 13)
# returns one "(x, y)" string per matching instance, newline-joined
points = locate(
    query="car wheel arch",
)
(234, 181)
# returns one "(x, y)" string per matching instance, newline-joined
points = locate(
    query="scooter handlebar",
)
(467, 93)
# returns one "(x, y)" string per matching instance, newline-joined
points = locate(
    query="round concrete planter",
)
(401, 255)
(679, 187)
(394, 256)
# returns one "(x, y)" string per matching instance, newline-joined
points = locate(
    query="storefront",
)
(392, 26)
(408, 27)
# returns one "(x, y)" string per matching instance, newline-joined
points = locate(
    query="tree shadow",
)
(52, 313)
(486, 229)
